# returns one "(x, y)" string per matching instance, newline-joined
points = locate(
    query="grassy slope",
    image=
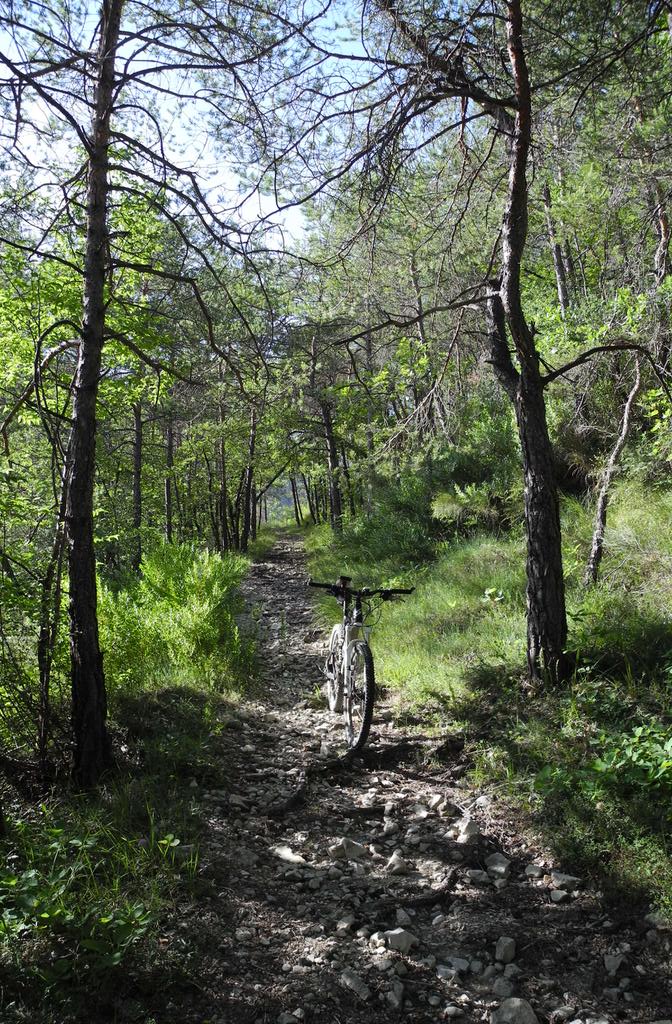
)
(456, 649)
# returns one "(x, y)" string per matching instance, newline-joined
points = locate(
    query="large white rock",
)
(345, 924)
(401, 940)
(514, 1011)
(562, 881)
(287, 854)
(612, 962)
(458, 963)
(467, 830)
(396, 865)
(347, 849)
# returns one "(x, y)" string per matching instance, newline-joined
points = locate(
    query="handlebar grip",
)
(322, 586)
(400, 590)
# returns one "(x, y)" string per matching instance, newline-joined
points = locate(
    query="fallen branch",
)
(426, 899)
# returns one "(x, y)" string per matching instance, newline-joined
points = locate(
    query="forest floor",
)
(384, 888)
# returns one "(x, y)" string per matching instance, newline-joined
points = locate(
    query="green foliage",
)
(177, 621)
(77, 894)
(639, 760)
(465, 509)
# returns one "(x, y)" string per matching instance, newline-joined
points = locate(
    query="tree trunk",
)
(168, 481)
(298, 502)
(212, 505)
(137, 485)
(253, 513)
(546, 612)
(556, 250)
(50, 613)
(295, 501)
(247, 490)
(335, 501)
(311, 507)
(234, 520)
(92, 749)
(223, 496)
(348, 482)
(597, 546)
(179, 505)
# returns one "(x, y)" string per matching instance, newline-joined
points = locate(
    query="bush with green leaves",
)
(463, 510)
(640, 759)
(75, 893)
(177, 622)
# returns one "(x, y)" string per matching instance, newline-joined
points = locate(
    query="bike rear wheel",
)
(359, 696)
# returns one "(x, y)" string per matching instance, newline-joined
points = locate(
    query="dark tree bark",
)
(316, 504)
(335, 500)
(223, 491)
(295, 501)
(234, 522)
(298, 502)
(213, 510)
(253, 512)
(546, 612)
(92, 750)
(179, 506)
(50, 613)
(137, 485)
(247, 489)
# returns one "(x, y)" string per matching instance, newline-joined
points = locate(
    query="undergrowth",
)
(592, 762)
(175, 621)
(89, 883)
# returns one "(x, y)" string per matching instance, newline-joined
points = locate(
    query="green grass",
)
(89, 883)
(589, 763)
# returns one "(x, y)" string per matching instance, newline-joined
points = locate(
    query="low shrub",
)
(178, 621)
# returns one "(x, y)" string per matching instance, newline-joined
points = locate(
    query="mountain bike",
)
(348, 668)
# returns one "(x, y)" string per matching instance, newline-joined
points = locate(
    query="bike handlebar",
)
(338, 590)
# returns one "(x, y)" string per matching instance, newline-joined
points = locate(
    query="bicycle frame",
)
(353, 629)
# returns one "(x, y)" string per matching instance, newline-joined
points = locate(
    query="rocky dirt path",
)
(386, 889)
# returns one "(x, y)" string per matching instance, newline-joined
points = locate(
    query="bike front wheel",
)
(359, 696)
(333, 670)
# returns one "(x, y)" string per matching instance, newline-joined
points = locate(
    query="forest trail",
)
(312, 862)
